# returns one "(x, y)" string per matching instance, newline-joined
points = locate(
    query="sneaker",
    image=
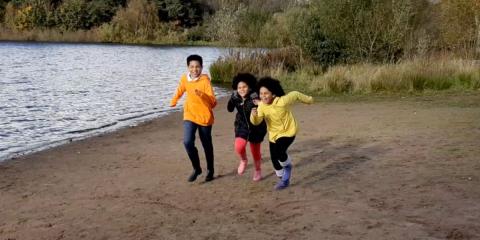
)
(241, 167)
(257, 175)
(209, 176)
(194, 175)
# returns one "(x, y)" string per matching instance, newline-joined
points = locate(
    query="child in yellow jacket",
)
(282, 127)
(197, 114)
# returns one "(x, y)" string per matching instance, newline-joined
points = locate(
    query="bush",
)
(3, 5)
(100, 12)
(250, 23)
(184, 13)
(73, 15)
(223, 26)
(281, 29)
(197, 33)
(259, 62)
(367, 30)
(238, 26)
(460, 25)
(29, 14)
(138, 22)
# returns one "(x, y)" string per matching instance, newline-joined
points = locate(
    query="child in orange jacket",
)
(197, 114)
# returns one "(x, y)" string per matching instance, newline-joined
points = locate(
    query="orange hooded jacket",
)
(200, 99)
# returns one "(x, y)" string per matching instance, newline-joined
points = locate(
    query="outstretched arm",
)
(296, 96)
(178, 94)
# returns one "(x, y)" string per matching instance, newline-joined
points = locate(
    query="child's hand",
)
(235, 95)
(254, 112)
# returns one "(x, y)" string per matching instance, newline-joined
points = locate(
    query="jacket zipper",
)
(245, 116)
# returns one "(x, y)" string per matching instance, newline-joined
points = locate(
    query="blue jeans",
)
(205, 132)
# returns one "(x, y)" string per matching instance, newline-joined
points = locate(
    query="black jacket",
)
(243, 127)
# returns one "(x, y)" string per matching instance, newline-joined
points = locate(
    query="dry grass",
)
(259, 62)
(413, 75)
(407, 76)
(49, 35)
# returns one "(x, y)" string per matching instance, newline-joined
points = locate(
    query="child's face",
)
(194, 68)
(266, 96)
(242, 89)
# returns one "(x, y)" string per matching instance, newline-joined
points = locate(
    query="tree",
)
(460, 25)
(3, 4)
(369, 29)
(311, 37)
(100, 11)
(28, 14)
(137, 22)
(73, 15)
(184, 13)
(223, 25)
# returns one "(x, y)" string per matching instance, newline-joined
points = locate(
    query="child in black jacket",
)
(244, 98)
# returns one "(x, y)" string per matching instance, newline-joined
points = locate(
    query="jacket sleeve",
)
(233, 102)
(209, 96)
(296, 96)
(256, 120)
(178, 93)
(231, 105)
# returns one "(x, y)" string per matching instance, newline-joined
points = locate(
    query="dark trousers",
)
(278, 151)
(205, 132)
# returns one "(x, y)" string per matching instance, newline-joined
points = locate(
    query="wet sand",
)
(384, 169)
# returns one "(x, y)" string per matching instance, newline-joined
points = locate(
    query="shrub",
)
(138, 22)
(259, 62)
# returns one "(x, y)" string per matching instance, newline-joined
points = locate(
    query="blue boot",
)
(285, 181)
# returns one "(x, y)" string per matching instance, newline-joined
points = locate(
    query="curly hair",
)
(273, 85)
(247, 78)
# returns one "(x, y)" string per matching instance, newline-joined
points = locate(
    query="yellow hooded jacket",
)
(278, 116)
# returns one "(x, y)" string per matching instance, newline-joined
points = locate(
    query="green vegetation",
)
(319, 46)
(328, 32)
(408, 75)
(367, 47)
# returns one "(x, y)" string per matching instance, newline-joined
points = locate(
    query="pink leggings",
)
(240, 149)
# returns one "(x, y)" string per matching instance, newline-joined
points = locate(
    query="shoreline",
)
(117, 43)
(110, 128)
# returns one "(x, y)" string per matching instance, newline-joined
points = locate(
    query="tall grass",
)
(413, 75)
(408, 76)
(259, 62)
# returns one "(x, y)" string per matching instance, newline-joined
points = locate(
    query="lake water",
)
(52, 93)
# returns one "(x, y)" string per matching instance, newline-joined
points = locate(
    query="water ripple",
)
(52, 93)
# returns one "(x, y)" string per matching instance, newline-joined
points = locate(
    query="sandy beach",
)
(407, 168)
